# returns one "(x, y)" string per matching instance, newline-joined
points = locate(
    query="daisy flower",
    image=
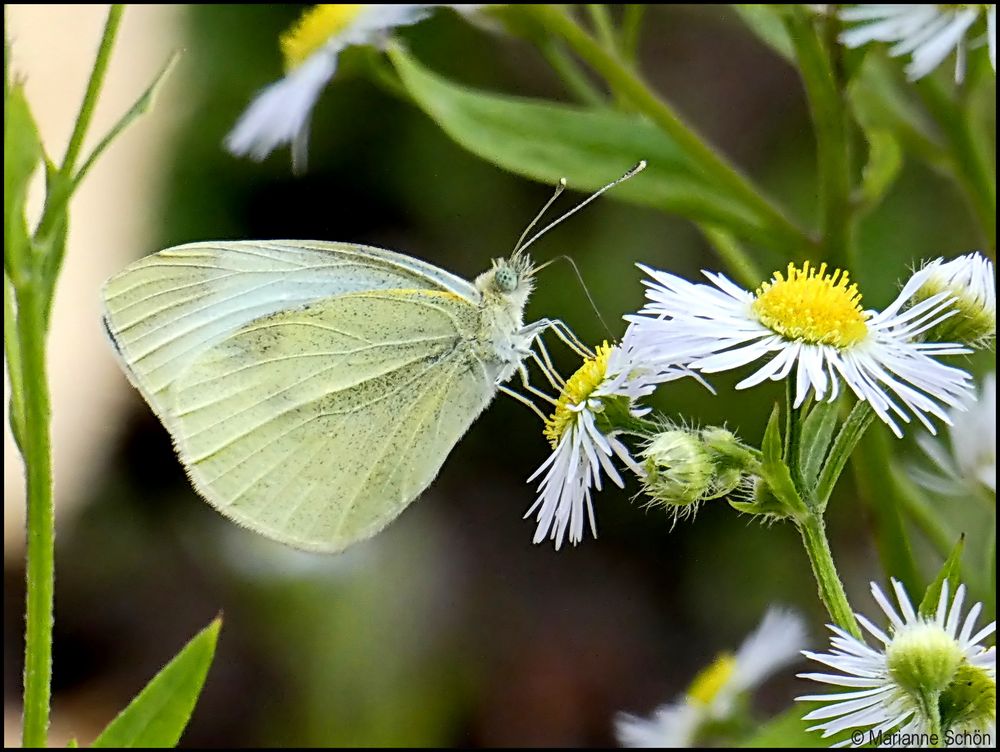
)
(927, 32)
(713, 694)
(811, 322)
(583, 445)
(970, 462)
(972, 283)
(280, 113)
(929, 674)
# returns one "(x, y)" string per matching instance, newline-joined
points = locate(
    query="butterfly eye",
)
(506, 279)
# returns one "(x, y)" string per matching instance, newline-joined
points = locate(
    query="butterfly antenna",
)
(583, 284)
(560, 187)
(631, 173)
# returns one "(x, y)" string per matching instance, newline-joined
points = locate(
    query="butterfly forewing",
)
(317, 426)
(163, 310)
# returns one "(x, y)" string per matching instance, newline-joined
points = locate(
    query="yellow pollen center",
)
(313, 30)
(812, 306)
(706, 685)
(578, 389)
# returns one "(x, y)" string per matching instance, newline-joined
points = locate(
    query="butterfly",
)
(314, 389)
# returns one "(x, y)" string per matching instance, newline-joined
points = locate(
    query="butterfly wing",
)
(317, 426)
(165, 309)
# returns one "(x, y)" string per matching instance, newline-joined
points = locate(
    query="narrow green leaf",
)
(775, 472)
(951, 571)
(765, 21)
(885, 160)
(848, 437)
(22, 151)
(547, 141)
(158, 715)
(141, 106)
(817, 430)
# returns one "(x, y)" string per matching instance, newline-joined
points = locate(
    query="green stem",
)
(739, 262)
(12, 351)
(975, 169)
(831, 590)
(829, 116)
(566, 68)
(601, 19)
(93, 88)
(41, 518)
(628, 84)
(630, 30)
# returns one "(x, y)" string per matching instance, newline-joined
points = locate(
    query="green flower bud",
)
(678, 468)
(970, 701)
(969, 280)
(923, 659)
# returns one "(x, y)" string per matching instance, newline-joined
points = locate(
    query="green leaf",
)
(775, 472)
(850, 434)
(879, 102)
(789, 731)
(22, 151)
(817, 430)
(951, 571)
(158, 715)
(141, 106)
(765, 21)
(885, 160)
(547, 141)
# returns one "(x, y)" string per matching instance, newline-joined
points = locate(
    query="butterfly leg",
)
(523, 400)
(563, 332)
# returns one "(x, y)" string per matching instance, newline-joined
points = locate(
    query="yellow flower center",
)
(706, 685)
(578, 389)
(812, 306)
(313, 30)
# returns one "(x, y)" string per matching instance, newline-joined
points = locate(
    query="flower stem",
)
(626, 83)
(41, 517)
(829, 115)
(93, 88)
(831, 590)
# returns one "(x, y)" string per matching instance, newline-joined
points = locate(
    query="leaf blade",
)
(160, 712)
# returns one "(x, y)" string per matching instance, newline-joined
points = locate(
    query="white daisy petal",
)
(884, 684)
(928, 33)
(808, 325)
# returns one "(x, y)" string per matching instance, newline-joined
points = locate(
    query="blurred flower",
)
(582, 431)
(929, 33)
(812, 320)
(934, 662)
(971, 282)
(713, 694)
(280, 113)
(971, 461)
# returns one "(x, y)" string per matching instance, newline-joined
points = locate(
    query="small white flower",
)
(581, 451)
(929, 33)
(812, 323)
(712, 695)
(921, 662)
(971, 460)
(280, 113)
(971, 282)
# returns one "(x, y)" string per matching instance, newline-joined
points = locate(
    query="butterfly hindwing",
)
(317, 426)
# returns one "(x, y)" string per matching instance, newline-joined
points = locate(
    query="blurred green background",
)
(451, 628)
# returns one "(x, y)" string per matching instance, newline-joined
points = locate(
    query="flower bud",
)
(678, 468)
(969, 280)
(923, 659)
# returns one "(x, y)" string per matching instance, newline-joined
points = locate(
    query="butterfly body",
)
(313, 390)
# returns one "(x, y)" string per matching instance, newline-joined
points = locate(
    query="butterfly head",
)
(508, 278)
